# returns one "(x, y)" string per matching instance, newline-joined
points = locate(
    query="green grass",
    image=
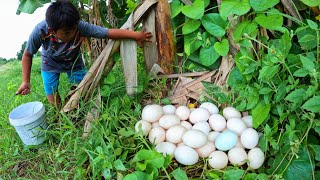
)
(16, 159)
(65, 154)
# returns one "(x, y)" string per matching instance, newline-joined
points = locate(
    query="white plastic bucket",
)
(29, 121)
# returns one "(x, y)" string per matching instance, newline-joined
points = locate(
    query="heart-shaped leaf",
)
(208, 56)
(191, 43)
(311, 3)
(190, 26)
(261, 5)
(250, 28)
(238, 7)
(222, 48)
(180, 174)
(214, 24)
(194, 11)
(175, 7)
(273, 20)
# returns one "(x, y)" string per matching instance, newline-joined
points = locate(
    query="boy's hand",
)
(24, 88)
(143, 37)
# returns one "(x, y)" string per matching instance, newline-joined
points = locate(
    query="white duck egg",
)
(152, 113)
(249, 138)
(202, 126)
(174, 134)
(212, 136)
(206, 150)
(157, 135)
(231, 112)
(199, 114)
(169, 120)
(212, 108)
(256, 158)
(186, 124)
(247, 120)
(144, 125)
(218, 160)
(217, 122)
(194, 138)
(237, 156)
(186, 155)
(183, 112)
(165, 148)
(169, 109)
(236, 125)
(226, 140)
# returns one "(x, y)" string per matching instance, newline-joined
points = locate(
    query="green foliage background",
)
(275, 78)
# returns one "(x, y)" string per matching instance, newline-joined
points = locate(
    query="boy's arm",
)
(139, 36)
(26, 71)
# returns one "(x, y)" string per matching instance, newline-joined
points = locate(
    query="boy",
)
(60, 36)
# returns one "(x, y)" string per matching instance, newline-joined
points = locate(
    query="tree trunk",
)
(166, 46)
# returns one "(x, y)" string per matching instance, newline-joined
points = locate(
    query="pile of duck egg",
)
(203, 132)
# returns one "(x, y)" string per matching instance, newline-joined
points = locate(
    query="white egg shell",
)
(249, 138)
(191, 109)
(152, 113)
(256, 158)
(169, 120)
(237, 156)
(231, 112)
(157, 135)
(169, 109)
(217, 122)
(186, 155)
(236, 125)
(226, 140)
(202, 126)
(212, 136)
(186, 124)
(145, 127)
(247, 120)
(183, 112)
(218, 160)
(212, 108)
(206, 150)
(155, 124)
(174, 134)
(194, 138)
(199, 114)
(165, 148)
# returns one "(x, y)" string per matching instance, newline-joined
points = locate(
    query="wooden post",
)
(150, 49)
(128, 52)
(166, 46)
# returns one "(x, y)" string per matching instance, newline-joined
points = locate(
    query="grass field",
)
(65, 154)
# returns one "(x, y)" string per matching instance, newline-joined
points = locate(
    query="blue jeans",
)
(51, 79)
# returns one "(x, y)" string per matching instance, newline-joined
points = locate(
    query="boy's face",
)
(65, 34)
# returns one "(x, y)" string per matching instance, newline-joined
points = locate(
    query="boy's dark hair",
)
(62, 14)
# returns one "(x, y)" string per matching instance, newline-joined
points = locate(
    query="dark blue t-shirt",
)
(58, 56)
